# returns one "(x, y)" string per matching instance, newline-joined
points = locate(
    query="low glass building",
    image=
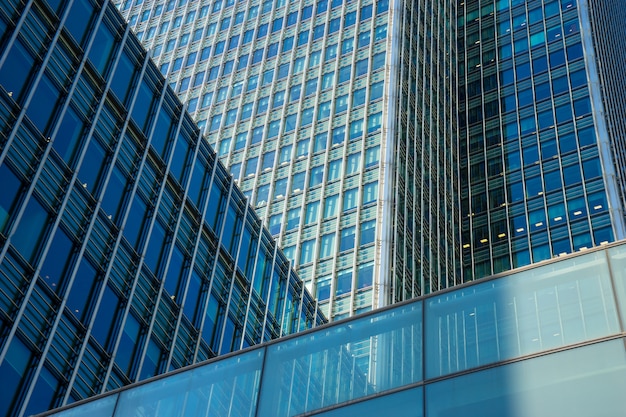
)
(126, 249)
(544, 340)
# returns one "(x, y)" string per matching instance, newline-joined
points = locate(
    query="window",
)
(344, 281)
(339, 135)
(320, 143)
(370, 192)
(257, 135)
(312, 212)
(350, 199)
(344, 74)
(215, 122)
(311, 87)
(327, 245)
(294, 92)
(317, 176)
(307, 248)
(368, 230)
(356, 129)
(334, 169)
(330, 206)
(293, 218)
(353, 163)
(323, 110)
(347, 239)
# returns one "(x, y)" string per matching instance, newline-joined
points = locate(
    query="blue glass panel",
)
(409, 403)
(224, 388)
(67, 135)
(43, 103)
(152, 360)
(106, 318)
(175, 271)
(78, 19)
(30, 230)
(617, 258)
(343, 362)
(587, 381)
(9, 192)
(161, 132)
(122, 77)
(43, 394)
(58, 257)
(114, 193)
(13, 368)
(155, 247)
(102, 407)
(81, 290)
(16, 69)
(143, 104)
(528, 312)
(128, 341)
(101, 48)
(91, 165)
(135, 221)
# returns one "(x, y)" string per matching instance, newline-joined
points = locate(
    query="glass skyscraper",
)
(541, 109)
(126, 248)
(338, 120)
(396, 148)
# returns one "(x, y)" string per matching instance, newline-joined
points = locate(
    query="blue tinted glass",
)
(78, 19)
(156, 247)
(339, 364)
(542, 387)
(101, 48)
(409, 403)
(528, 312)
(143, 104)
(13, 368)
(128, 341)
(81, 290)
(231, 384)
(43, 103)
(135, 220)
(43, 394)
(17, 66)
(9, 188)
(53, 270)
(122, 77)
(114, 192)
(175, 271)
(92, 164)
(67, 135)
(180, 158)
(106, 318)
(161, 132)
(27, 236)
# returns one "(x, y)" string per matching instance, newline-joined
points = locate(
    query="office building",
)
(397, 148)
(338, 120)
(126, 249)
(542, 341)
(541, 109)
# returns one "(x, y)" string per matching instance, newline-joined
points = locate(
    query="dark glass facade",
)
(126, 248)
(542, 166)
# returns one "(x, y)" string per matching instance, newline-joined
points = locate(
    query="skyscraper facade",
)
(541, 109)
(338, 120)
(126, 248)
(396, 148)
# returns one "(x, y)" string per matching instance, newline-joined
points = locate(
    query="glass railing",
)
(540, 309)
